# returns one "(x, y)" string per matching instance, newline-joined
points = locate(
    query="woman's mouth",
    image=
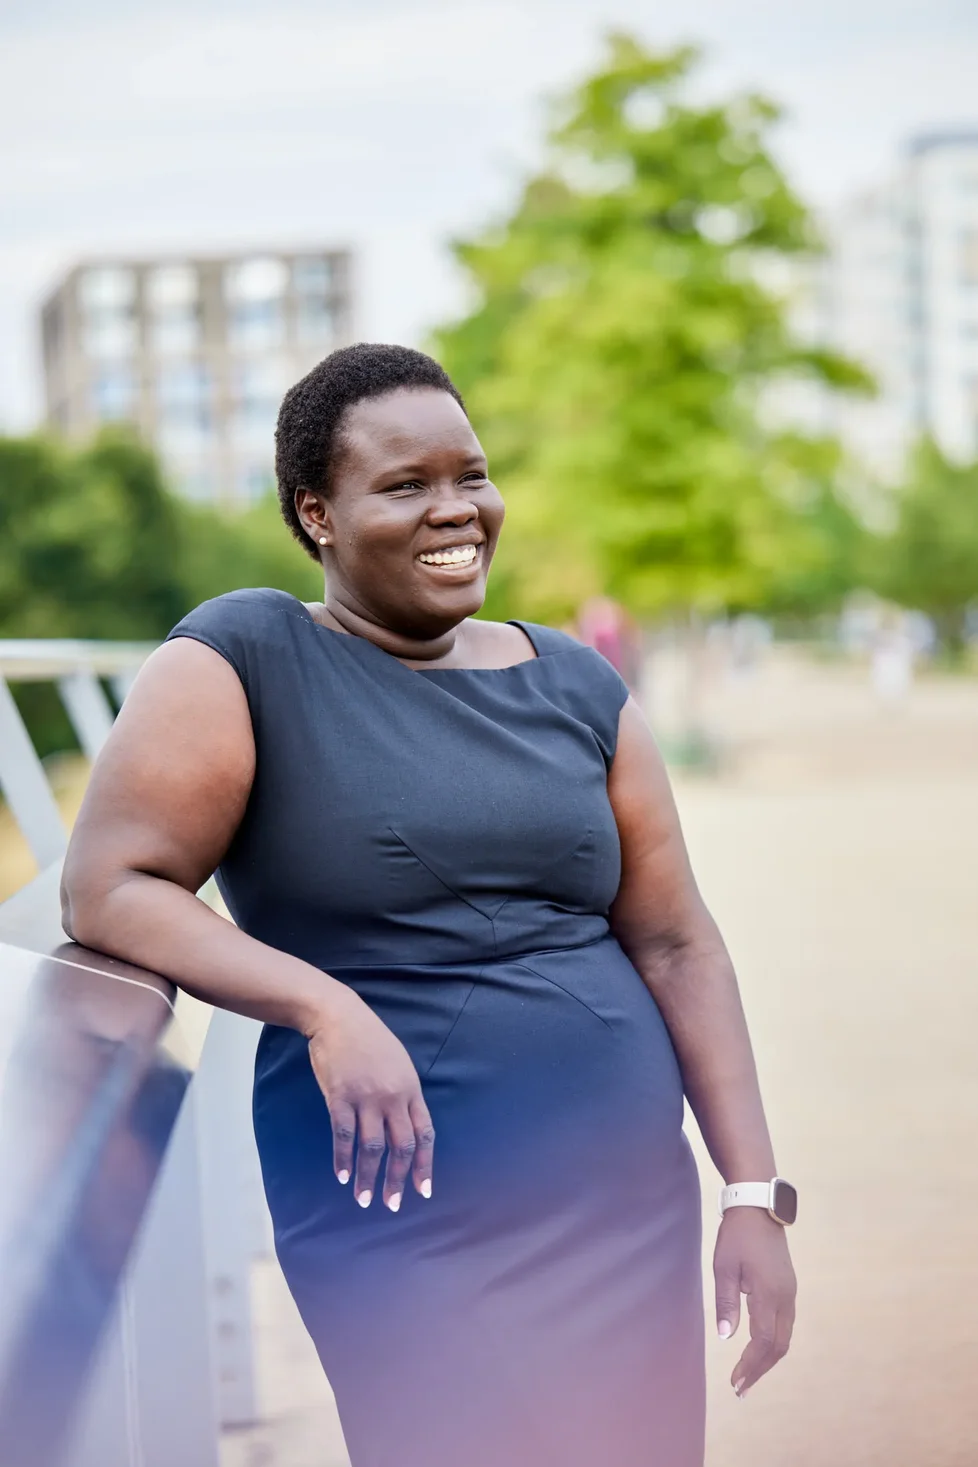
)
(454, 556)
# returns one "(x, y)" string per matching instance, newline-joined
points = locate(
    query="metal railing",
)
(76, 668)
(129, 1196)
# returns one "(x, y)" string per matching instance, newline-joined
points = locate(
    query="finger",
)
(424, 1154)
(401, 1147)
(344, 1122)
(371, 1145)
(728, 1300)
(761, 1352)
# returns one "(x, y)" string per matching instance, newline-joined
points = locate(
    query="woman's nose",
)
(452, 509)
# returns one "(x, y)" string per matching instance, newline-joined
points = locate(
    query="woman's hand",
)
(375, 1100)
(751, 1258)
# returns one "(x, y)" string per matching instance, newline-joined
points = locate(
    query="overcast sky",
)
(392, 125)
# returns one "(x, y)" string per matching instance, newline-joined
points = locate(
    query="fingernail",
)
(725, 1329)
(364, 1199)
(343, 1176)
(395, 1202)
(739, 1388)
(426, 1187)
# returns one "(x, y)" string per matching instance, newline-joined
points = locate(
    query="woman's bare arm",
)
(166, 796)
(663, 924)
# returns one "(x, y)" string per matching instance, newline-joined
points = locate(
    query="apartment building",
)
(196, 352)
(898, 291)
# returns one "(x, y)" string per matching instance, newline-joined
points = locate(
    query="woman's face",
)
(412, 520)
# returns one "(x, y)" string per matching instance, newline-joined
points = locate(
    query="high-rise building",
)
(898, 291)
(196, 352)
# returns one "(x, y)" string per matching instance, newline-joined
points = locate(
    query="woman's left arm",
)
(663, 925)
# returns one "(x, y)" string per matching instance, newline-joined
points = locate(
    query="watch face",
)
(785, 1205)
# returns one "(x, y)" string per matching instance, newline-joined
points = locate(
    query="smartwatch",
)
(777, 1197)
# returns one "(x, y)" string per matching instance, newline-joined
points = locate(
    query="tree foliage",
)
(92, 544)
(622, 342)
(930, 559)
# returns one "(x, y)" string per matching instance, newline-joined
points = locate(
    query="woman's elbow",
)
(86, 890)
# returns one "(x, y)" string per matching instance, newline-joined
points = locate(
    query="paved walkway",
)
(840, 857)
(839, 850)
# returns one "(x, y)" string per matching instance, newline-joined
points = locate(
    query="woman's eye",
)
(405, 488)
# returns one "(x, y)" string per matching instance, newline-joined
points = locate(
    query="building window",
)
(256, 325)
(256, 280)
(312, 275)
(107, 299)
(312, 280)
(171, 295)
(171, 285)
(315, 321)
(109, 334)
(185, 411)
(107, 288)
(258, 390)
(254, 290)
(114, 394)
(175, 329)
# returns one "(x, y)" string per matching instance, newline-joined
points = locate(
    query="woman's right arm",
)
(165, 798)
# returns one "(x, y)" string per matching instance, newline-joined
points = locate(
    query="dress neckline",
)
(351, 637)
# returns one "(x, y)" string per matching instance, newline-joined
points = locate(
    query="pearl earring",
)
(323, 540)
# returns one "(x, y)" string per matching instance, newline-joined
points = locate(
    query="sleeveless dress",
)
(442, 841)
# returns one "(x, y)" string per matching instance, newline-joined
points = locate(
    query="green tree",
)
(93, 544)
(623, 348)
(89, 541)
(930, 560)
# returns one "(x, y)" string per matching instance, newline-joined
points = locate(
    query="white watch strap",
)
(746, 1194)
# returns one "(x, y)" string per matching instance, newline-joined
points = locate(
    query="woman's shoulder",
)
(249, 607)
(241, 621)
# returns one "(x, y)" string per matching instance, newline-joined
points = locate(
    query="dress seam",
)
(561, 989)
(465, 1004)
(461, 961)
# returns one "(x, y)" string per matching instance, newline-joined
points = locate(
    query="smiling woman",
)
(462, 905)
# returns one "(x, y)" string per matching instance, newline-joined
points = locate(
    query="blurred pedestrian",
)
(892, 658)
(606, 626)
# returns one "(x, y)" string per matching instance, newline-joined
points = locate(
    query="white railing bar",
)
(35, 660)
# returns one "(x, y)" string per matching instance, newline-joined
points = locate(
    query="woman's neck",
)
(342, 617)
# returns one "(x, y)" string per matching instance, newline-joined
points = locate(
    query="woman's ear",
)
(313, 515)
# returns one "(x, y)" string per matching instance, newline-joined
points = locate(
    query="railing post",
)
(25, 786)
(233, 1206)
(152, 1398)
(88, 708)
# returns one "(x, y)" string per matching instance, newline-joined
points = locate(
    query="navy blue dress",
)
(442, 841)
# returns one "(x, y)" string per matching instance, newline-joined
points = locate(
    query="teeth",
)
(458, 555)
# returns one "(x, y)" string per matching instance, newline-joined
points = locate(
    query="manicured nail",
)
(364, 1199)
(739, 1390)
(725, 1329)
(395, 1202)
(343, 1176)
(426, 1187)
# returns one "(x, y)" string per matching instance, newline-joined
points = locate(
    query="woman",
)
(463, 909)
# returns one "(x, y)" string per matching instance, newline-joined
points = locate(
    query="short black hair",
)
(311, 414)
